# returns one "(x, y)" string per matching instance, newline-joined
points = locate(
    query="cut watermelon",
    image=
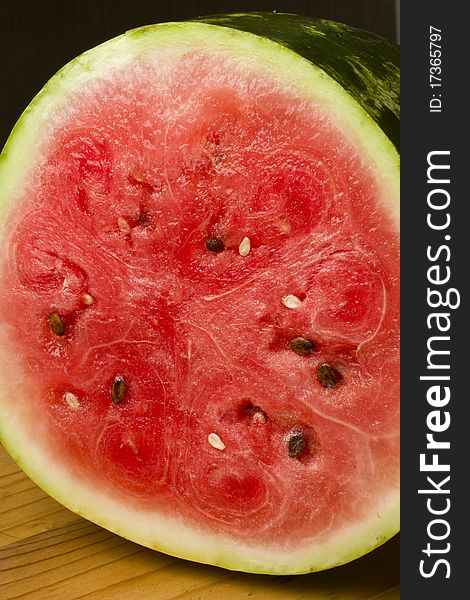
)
(200, 307)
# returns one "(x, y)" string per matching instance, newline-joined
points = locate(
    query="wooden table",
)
(49, 553)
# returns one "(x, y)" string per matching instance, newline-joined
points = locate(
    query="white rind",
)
(174, 537)
(23, 150)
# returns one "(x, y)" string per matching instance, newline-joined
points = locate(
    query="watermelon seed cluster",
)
(255, 413)
(215, 244)
(328, 376)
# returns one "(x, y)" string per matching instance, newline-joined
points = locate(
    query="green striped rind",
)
(364, 64)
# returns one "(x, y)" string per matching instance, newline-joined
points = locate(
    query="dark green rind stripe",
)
(364, 64)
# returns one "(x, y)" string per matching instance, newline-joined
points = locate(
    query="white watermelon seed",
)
(123, 225)
(129, 441)
(215, 441)
(245, 246)
(291, 301)
(283, 226)
(259, 417)
(87, 299)
(72, 400)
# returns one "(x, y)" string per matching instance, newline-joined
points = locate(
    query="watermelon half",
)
(200, 304)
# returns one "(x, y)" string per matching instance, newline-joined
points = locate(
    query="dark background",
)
(37, 37)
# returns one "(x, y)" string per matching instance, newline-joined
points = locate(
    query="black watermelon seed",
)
(296, 443)
(215, 244)
(328, 376)
(143, 217)
(56, 323)
(301, 345)
(118, 390)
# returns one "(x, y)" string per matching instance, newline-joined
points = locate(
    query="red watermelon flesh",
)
(111, 237)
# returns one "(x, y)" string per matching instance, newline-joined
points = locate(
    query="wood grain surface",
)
(49, 553)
